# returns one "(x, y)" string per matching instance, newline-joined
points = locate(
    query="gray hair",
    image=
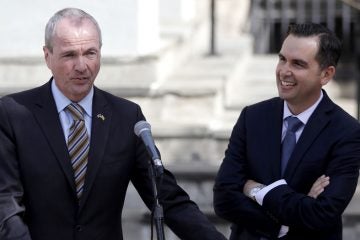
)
(75, 14)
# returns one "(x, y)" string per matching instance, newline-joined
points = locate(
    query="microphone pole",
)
(158, 212)
(143, 130)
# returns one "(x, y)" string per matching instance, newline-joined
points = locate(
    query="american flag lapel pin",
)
(102, 117)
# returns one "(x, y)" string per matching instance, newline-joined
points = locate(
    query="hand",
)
(319, 186)
(250, 184)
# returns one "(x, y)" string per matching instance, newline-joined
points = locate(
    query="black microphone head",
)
(141, 126)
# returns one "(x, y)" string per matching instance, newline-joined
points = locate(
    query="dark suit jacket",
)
(36, 174)
(329, 144)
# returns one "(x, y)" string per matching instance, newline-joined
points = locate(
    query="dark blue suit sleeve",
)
(300, 211)
(229, 201)
(11, 191)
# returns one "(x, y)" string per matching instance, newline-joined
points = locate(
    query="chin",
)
(284, 96)
(281, 94)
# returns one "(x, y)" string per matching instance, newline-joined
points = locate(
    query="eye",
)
(91, 53)
(299, 64)
(281, 58)
(68, 55)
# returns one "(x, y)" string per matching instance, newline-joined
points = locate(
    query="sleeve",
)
(300, 211)
(181, 214)
(259, 196)
(12, 225)
(229, 201)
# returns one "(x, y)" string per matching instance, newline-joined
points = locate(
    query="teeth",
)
(287, 83)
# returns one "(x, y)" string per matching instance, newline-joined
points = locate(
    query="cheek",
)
(308, 83)
(282, 70)
(277, 71)
(63, 68)
(94, 68)
(96, 65)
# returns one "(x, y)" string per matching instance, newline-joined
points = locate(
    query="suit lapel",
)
(46, 114)
(317, 122)
(274, 140)
(101, 121)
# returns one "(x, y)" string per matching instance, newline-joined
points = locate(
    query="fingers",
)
(248, 185)
(319, 186)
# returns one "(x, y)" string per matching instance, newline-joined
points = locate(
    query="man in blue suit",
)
(68, 151)
(267, 190)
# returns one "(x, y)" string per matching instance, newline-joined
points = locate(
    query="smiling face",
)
(75, 58)
(298, 74)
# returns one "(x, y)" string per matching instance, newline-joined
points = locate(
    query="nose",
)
(283, 70)
(80, 64)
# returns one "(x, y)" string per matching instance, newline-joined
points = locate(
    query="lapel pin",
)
(100, 116)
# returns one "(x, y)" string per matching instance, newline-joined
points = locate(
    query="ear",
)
(47, 56)
(326, 75)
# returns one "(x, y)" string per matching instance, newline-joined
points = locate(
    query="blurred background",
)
(192, 65)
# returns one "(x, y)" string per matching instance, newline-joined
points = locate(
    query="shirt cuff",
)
(283, 231)
(259, 196)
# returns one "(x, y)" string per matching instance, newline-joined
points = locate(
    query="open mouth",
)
(287, 84)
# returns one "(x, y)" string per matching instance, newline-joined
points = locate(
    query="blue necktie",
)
(289, 141)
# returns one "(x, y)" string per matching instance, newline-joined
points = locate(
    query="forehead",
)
(70, 31)
(300, 47)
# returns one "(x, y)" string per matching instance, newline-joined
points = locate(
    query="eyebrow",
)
(296, 60)
(67, 52)
(92, 49)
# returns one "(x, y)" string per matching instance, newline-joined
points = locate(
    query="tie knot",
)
(76, 111)
(293, 124)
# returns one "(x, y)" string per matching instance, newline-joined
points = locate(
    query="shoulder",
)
(336, 114)
(343, 119)
(26, 98)
(264, 114)
(27, 95)
(267, 104)
(264, 108)
(114, 101)
(122, 109)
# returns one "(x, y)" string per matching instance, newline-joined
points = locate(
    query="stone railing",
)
(198, 180)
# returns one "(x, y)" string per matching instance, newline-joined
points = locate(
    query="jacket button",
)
(79, 228)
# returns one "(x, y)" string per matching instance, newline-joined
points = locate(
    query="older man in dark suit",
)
(68, 151)
(280, 148)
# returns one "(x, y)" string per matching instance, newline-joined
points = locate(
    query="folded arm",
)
(230, 202)
(320, 208)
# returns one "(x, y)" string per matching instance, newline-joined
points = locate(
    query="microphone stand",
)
(158, 214)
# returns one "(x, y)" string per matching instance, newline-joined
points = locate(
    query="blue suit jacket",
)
(37, 190)
(329, 144)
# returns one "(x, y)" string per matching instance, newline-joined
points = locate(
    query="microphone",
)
(142, 129)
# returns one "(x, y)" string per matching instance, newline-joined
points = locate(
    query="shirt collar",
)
(305, 115)
(62, 101)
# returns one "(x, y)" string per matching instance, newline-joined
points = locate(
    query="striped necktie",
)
(78, 146)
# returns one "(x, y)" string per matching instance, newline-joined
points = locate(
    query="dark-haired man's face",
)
(298, 74)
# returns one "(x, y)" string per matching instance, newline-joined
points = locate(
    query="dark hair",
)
(330, 46)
